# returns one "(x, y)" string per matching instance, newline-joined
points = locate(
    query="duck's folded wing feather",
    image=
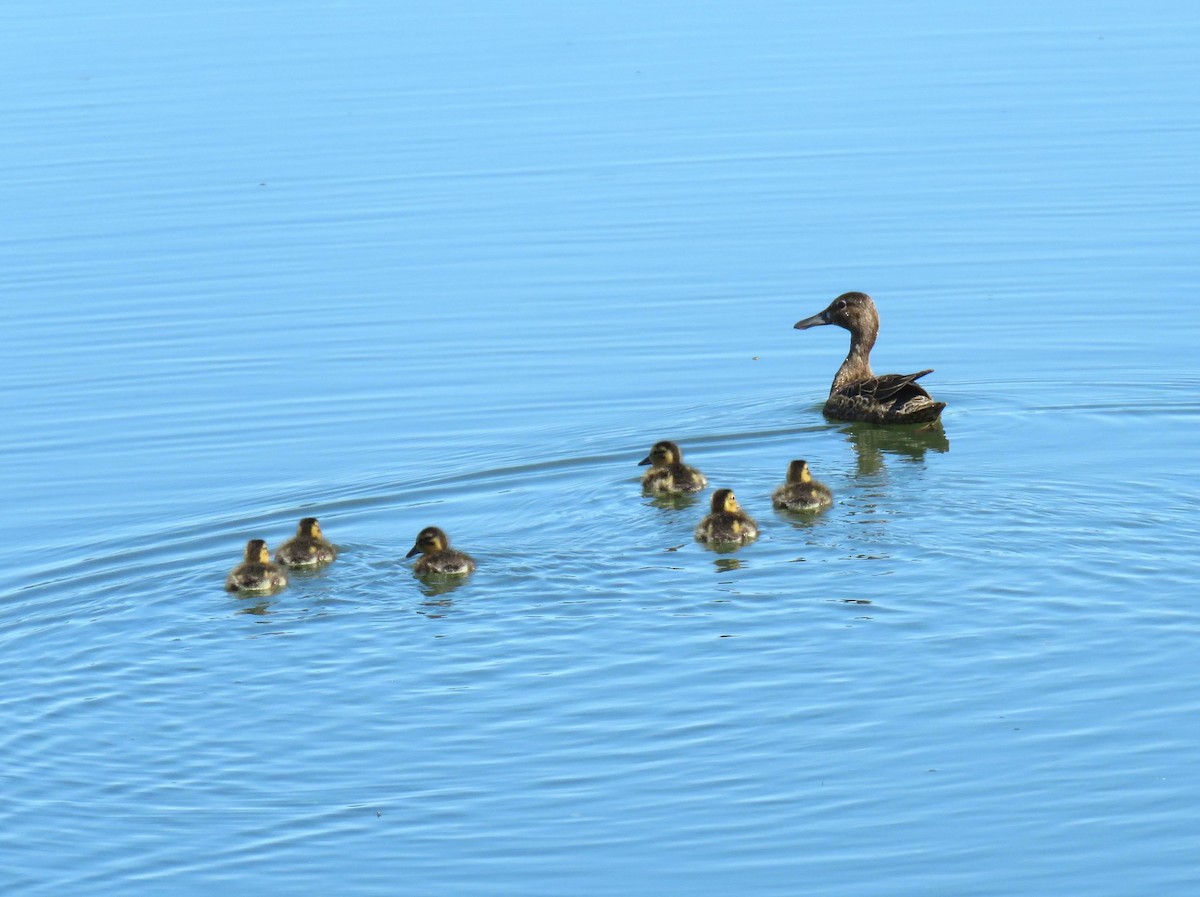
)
(888, 387)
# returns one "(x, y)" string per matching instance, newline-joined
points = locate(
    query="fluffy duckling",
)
(856, 393)
(256, 573)
(667, 471)
(801, 492)
(307, 548)
(437, 556)
(727, 522)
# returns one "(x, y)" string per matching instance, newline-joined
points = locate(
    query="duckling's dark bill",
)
(815, 321)
(416, 549)
(645, 461)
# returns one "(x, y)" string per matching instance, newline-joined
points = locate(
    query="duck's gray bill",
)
(815, 321)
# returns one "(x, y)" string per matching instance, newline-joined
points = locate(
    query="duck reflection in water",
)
(671, 501)
(434, 587)
(910, 443)
(258, 609)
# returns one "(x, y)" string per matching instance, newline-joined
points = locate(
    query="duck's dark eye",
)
(840, 304)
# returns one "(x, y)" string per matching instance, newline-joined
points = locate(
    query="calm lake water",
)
(462, 265)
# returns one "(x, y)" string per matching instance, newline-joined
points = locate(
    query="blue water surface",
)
(462, 265)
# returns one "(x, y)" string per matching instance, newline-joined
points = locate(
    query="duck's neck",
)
(857, 366)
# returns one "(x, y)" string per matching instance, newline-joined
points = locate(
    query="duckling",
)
(307, 548)
(437, 556)
(256, 573)
(801, 492)
(668, 473)
(727, 522)
(857, 394)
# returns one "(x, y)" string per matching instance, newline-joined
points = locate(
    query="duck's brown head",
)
(429, 540)
(853, 311)
(798, 472)
(662, 454)
(256, 552)
(309, 528)
(724, 502)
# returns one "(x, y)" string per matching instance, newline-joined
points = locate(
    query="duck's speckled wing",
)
(888, 388)
(890, 399)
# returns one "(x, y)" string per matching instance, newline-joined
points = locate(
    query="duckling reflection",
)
(672, 501)
(857, 394)
(437, 607)
(436, 590)
(668, 474)
(801, 492)
(727, 524)
(257, 609)
(437, 557)
(308, 548)
(256, 574)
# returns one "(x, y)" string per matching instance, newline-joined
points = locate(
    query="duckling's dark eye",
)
(840, 304)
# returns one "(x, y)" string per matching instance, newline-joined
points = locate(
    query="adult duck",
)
(857, 394)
